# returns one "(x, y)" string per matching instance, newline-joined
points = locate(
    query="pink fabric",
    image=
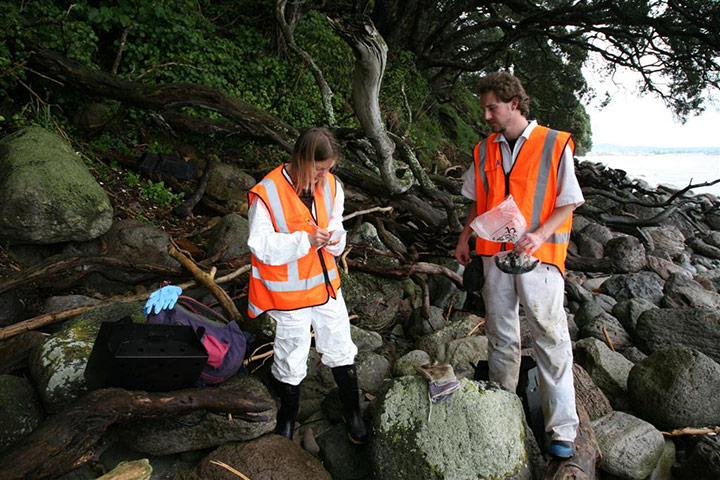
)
(216, 350)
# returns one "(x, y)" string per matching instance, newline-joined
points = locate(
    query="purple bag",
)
(225, 342)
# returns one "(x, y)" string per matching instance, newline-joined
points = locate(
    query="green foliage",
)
(132, 179)
(157, 192)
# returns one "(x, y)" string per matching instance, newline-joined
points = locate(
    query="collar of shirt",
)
(509, 157)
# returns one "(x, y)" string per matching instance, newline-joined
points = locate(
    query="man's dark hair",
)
(506, 87)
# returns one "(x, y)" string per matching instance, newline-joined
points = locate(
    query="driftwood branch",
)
(47, 319)
(207, 280)
(692, 431)
(135, 470)
(404, 271)
(62, 440)
(369, 210)
(630, 201)
(587, 454)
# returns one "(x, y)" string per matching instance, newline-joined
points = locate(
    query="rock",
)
(443, 291)
(630, 447)
(456, 329)
(262, 327)
(367, 235)
(316, 385)
(11, 309)
(626, 254)
(609, 370)
(372, 369)
(665, 268)
(662, 328)
(344, 460)
(579, 222)
(134, 240)
(667, 239)
(576, 292)
(231, 235)
(269, 457)
(663, 469)
(47, 194)
(628, 311)
(589, 395)
(91, 115)
(478, 433)
(588, 246)
(711, 276)
(199, 429)
(606, 302)
(593, 284)
(67, 302)
(712, 238)
(406, 364)
(21, 410)
(365, 340)
(633, 354)
(645, 285)
(230, 184)
(417, 325)
(703, 463)
(588, 312)
(58, 365)
(676, 388)
(463, 354)
(374, 299)
(681, 291)
(605, 322)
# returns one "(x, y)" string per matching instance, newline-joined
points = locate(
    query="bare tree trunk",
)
(370, 58)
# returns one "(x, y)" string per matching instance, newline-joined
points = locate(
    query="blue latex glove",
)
(161, 299)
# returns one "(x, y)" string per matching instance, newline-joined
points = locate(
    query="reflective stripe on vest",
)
(309, 280)
(533, 184)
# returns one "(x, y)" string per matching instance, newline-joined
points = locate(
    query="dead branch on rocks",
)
(208, 281)
(692, 431)
(404, 271)
(63, 442)
(632, 201)
(186, 207)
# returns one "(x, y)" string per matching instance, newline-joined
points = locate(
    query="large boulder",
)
(58, 365)
(134, 240)
(228, 238)
(200, 429)
(373, 299)
(458, 328)
(47, 194)
(628, 311)
(681, 291)
(665, 268)
(406, 364)
(230, 184)
(269, 457)
(372, 368)
(343, 459)
(645, 285)
(609, 370)
(630, 447)
(662, 328)
(703, 462)
(21, 410)
(598, 326)
(12, 309)
(676, 388)
(668, 239)
(479, 432)
(463, 354)
(626, 254)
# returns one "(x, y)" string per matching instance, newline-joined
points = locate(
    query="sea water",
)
(677, 170)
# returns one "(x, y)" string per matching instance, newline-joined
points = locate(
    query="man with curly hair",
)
(534, 164)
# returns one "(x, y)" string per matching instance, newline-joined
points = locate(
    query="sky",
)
(632, 120)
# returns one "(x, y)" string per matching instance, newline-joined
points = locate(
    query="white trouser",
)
(541, 293)
(292, 339)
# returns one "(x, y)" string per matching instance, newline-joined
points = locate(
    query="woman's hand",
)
(319, 237)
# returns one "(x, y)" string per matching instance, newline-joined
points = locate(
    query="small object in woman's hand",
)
(515, 263)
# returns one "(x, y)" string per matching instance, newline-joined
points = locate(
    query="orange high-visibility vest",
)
(532, 183)
(308, 281)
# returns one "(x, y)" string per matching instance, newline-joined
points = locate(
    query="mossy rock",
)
(373, 299)
(47, 194)
(21, 411)
(479, 432)
(58, 365)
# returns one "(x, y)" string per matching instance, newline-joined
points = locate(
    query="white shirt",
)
(275, 248)
(568, 188)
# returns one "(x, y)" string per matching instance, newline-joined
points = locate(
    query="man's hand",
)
(529, 242)
(462, 252)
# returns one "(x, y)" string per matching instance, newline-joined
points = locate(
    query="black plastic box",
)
(142, 356)
(167, 165)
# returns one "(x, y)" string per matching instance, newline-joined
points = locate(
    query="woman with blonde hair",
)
(296, 231)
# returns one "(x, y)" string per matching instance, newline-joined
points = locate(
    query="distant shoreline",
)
(610, 149)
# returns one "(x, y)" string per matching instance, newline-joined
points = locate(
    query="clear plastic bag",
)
(503, 223)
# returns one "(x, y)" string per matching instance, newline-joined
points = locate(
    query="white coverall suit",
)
(541, 292)
(329, 321)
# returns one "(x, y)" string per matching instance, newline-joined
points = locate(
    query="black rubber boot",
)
(289, 405)
(346, 379)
